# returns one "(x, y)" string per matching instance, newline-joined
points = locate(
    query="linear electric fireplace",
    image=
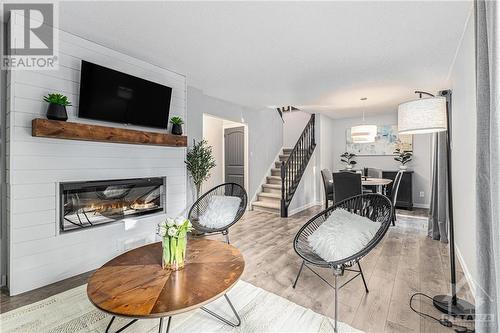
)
(93, 203)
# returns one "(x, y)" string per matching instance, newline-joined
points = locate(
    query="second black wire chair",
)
(376, 207)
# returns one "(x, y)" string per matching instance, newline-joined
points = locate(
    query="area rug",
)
(260, 311)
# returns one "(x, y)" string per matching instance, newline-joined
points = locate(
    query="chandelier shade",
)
(424, 115)
(363, 133)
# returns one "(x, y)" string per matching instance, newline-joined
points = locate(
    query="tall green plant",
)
(199, 161)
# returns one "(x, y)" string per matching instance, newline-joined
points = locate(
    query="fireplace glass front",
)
(93, 203)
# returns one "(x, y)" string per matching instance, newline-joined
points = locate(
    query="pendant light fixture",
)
(363, 133)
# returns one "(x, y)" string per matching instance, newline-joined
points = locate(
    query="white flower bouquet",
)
(174, 239)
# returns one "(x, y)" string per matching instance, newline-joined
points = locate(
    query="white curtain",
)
(488, 162)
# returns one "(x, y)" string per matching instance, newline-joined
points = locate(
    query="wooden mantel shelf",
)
(76, 131)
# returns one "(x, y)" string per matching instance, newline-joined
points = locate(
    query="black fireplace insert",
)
(92, 203)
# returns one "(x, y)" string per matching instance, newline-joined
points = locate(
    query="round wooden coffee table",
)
(134, 284)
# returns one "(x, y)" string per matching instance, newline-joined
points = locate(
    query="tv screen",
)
(109, 95)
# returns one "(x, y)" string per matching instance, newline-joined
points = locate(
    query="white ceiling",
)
(326, 55)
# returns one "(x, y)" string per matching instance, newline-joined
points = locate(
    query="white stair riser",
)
(271, 190)
(273, 181)
(269, 199)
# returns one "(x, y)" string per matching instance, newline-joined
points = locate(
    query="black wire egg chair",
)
(375, 207)
(201, 205)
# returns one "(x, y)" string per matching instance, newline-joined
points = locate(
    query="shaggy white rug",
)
(260, 311)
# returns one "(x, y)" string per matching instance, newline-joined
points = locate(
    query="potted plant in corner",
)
(176, 125)
(199, 161)
(347, 159)
(57, 106)
(403, 157)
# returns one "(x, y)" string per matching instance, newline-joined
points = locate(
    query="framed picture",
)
(385, 142)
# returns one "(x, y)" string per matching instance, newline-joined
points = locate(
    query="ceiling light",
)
(424, 115)
(363, 133)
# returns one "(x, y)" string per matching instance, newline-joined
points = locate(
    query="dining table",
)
(380, 183)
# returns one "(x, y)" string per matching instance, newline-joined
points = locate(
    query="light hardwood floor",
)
(406, 261)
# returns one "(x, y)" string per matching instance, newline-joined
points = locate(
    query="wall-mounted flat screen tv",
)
(109, 95)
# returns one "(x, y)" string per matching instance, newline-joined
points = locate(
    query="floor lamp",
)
(430, 115)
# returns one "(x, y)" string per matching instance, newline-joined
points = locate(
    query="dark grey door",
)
(234, 155)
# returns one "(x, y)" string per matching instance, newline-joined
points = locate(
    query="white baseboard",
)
(468, 276)
(304, 207)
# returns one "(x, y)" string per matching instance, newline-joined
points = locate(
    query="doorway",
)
(234, 155)
(229, 142)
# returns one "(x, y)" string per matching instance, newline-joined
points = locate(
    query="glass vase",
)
(174, 252)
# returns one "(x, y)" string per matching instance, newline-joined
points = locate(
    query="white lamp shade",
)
(363, 133)
(425, 115)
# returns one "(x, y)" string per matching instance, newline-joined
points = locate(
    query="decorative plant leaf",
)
(402, 156)
(57, 99)
(176, 120)
(346, 158)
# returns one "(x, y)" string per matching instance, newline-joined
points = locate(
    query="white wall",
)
(462, 83)
(294, 123)
(39, 255)
(212, 132)
(265, 133)
(327, 159)
(421, 163)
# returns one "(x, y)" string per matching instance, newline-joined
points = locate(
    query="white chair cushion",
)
(221, 211)
(342, 235)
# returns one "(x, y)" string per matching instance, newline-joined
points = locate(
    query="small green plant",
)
(347, 159)
(176, 120)
(402, 156)
(57, 99)
(199, 161)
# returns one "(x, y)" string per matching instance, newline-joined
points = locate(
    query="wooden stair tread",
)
(270, 195)
(275, 186)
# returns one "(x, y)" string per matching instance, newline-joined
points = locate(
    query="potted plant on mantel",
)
(199, 161)
(347, 159)
(176, 125)
(57, 106)
(403, 157)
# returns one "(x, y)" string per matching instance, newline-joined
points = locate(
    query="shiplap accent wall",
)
(39, 255)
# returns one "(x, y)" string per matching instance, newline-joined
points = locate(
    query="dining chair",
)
(328, 185)
(203, 205)
(394, 193)
(371, 173)
(346, 185)
(375, 207)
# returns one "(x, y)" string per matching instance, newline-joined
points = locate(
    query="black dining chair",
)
(371, 173)
(346, 185)
(394, 193)
(328, 184)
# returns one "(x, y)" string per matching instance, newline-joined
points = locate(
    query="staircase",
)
(280, 187)
(269, 199)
